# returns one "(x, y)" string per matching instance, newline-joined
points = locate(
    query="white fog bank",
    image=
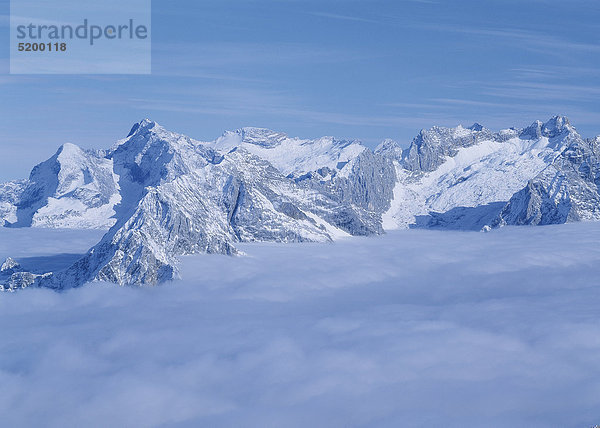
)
(415, 328)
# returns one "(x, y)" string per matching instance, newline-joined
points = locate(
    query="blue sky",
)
(364, 69)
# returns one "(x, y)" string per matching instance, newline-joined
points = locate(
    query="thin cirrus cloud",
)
(224, 55)
(344, 17)
(283, 109)
(543, 91)
(523, 39)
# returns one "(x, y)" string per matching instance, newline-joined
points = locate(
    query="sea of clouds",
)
(415, 328)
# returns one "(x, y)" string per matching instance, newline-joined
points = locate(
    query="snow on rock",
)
(430, 149)
(72, 189)
(10, 194)
(390, 149)
(567, 190)
(460, 178)
(10, 265)
(292, 156)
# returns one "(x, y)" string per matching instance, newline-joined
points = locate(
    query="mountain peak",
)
(387, 143)
(389, 148)
(250, 130)
(476, 127)
(143, 125)
(261, 136)
(554, 127)
(557, 123)
(68, 148)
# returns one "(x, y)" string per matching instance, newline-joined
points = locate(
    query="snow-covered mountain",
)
(568, 190)
(73, 189)
(345, 171)
(163, 194)
(180, 196)
(461, 178)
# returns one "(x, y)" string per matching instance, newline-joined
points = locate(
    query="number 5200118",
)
(42, 47)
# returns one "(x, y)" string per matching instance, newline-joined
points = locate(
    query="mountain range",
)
(160, 195)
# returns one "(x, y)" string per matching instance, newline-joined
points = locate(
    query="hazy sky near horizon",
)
(364, 69)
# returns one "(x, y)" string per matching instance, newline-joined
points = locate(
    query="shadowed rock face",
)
(431, 148)
(367, 183)
(460, 218)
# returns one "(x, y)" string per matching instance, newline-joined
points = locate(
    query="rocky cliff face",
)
(430, 149)
(367, 181)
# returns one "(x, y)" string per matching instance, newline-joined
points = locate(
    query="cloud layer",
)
(416, 328)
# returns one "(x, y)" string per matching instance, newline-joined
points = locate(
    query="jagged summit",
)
(69, 148)
(291, 155)
(261, 136)
(390, 148)
(9, 265)
(431, 147)
(555, 127)
(151, 154)
(476, 127)
(558, 122)
(141, 126)
(73, 188)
